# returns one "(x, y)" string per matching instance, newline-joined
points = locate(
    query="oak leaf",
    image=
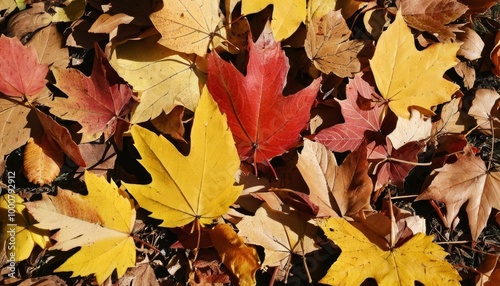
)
(281, 234)
(98, 103)
(403, 73)
(360, 123)
(205, 192)
(418, 259)
(287, 16)
(329, 48)
(264, 123)
(22, 74)
(432, 15)
(187, 26)
(467, 180)
(337, 190)
(100, 223)
(242, 260)
(164, 79)
(27, 235)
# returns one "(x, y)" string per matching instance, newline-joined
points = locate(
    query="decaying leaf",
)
(467, 180)
(205, 192)
(242, 260)
(403, 73)
(100, 223)
(418, 259)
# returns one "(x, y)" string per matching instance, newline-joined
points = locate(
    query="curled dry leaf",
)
(495, 56)
(171, 123)
(472, 44)
(329, 48)
(42, 161)
(242, 260)
(467, 180)
(484, 108)
(403, 73)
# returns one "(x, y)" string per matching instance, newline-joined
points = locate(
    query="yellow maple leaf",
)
(407, 77)
(162, 77)
(199, 186)
(287, 15)
(100, 223)
(187, 26)
(319, 8)
(19, 235)
(418, 259)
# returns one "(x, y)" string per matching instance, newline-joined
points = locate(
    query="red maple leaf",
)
(98, 102)
(392, 165)
(264, 123)
(22, 74)
(360, 123)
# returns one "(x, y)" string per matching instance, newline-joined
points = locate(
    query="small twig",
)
(404, 197)
(453, 242)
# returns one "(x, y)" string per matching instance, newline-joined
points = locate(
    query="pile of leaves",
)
(248, 142)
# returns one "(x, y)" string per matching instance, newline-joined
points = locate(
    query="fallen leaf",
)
(142, 274)
(187, 26)
(264, 123)
(329, 48)
(14, 117)
(47, 43)
(319, 8)
(205, 192)
(417, 128)
(100, 223)
(28, 21)
(287, 16)
(489, 271)
(432, 15)
(281, 234)
(472, 45)
(26, 234)
(71, 11)
(98, 102)
(22, 73)
(495, 56)
(42, 161)
(390, 165)
(107, 23)
(403, 73)
(163, 78)
(242, 260)
(467, 73)
(418, 259)
(171, 123)
(360, 123)
(466, 180)
(344, 189)
(478, 6)
(449, 120)
(484, 109)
